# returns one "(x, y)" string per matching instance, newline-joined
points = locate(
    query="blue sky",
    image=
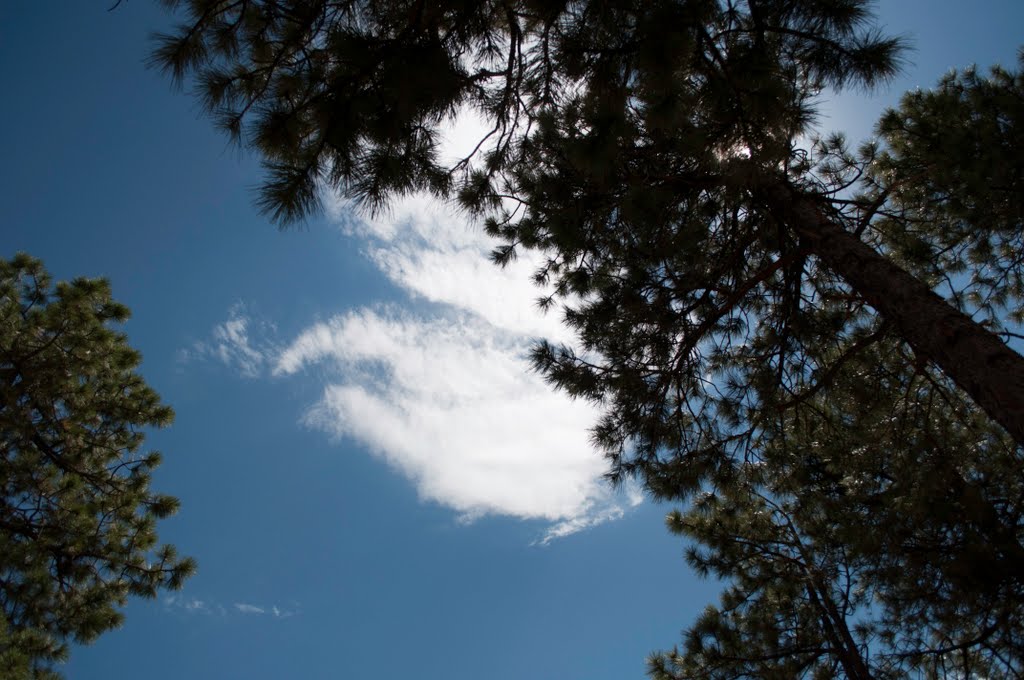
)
(369, 481)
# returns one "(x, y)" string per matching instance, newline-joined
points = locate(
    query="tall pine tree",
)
(77, 515)
(876, 530)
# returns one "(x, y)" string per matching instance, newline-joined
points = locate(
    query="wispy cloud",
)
(246, 608)
(239, 343)
(192, 605)
(597, 515)
(188, 604)
(272, 610)
(444, 392)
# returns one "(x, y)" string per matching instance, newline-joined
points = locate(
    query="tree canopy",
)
(873, 534)
(876, 530)
(801, 339)
(77, 515)
(653, 151)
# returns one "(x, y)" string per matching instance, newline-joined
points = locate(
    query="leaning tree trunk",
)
(974, 358)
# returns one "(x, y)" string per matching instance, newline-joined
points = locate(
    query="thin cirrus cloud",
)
(444, 392)
(255, 610)
(236, 344)
(193, 605)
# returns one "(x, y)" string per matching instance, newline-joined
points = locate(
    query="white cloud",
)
(192, 605)
(452, 404)
(444, 392)
(272, 610)
(189, 604)
(232, 344)
(599, 515)
(431, 250)
(246, 608)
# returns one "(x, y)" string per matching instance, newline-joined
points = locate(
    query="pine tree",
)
(959, 219)
(77, 516)
(739, 296)
(874, 533)
(875, 529)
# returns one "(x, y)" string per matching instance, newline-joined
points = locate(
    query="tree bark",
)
(975, 359)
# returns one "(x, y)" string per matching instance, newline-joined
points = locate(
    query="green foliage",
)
(874, 529)
(953, 171)
(874, 533)
(354, 94)
(77, 516)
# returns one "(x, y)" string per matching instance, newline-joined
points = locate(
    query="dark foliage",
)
(77, 516)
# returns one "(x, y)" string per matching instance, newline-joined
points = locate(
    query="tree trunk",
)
(975, 359)
(838, 633)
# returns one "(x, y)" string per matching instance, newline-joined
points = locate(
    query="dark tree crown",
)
(77, 515)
